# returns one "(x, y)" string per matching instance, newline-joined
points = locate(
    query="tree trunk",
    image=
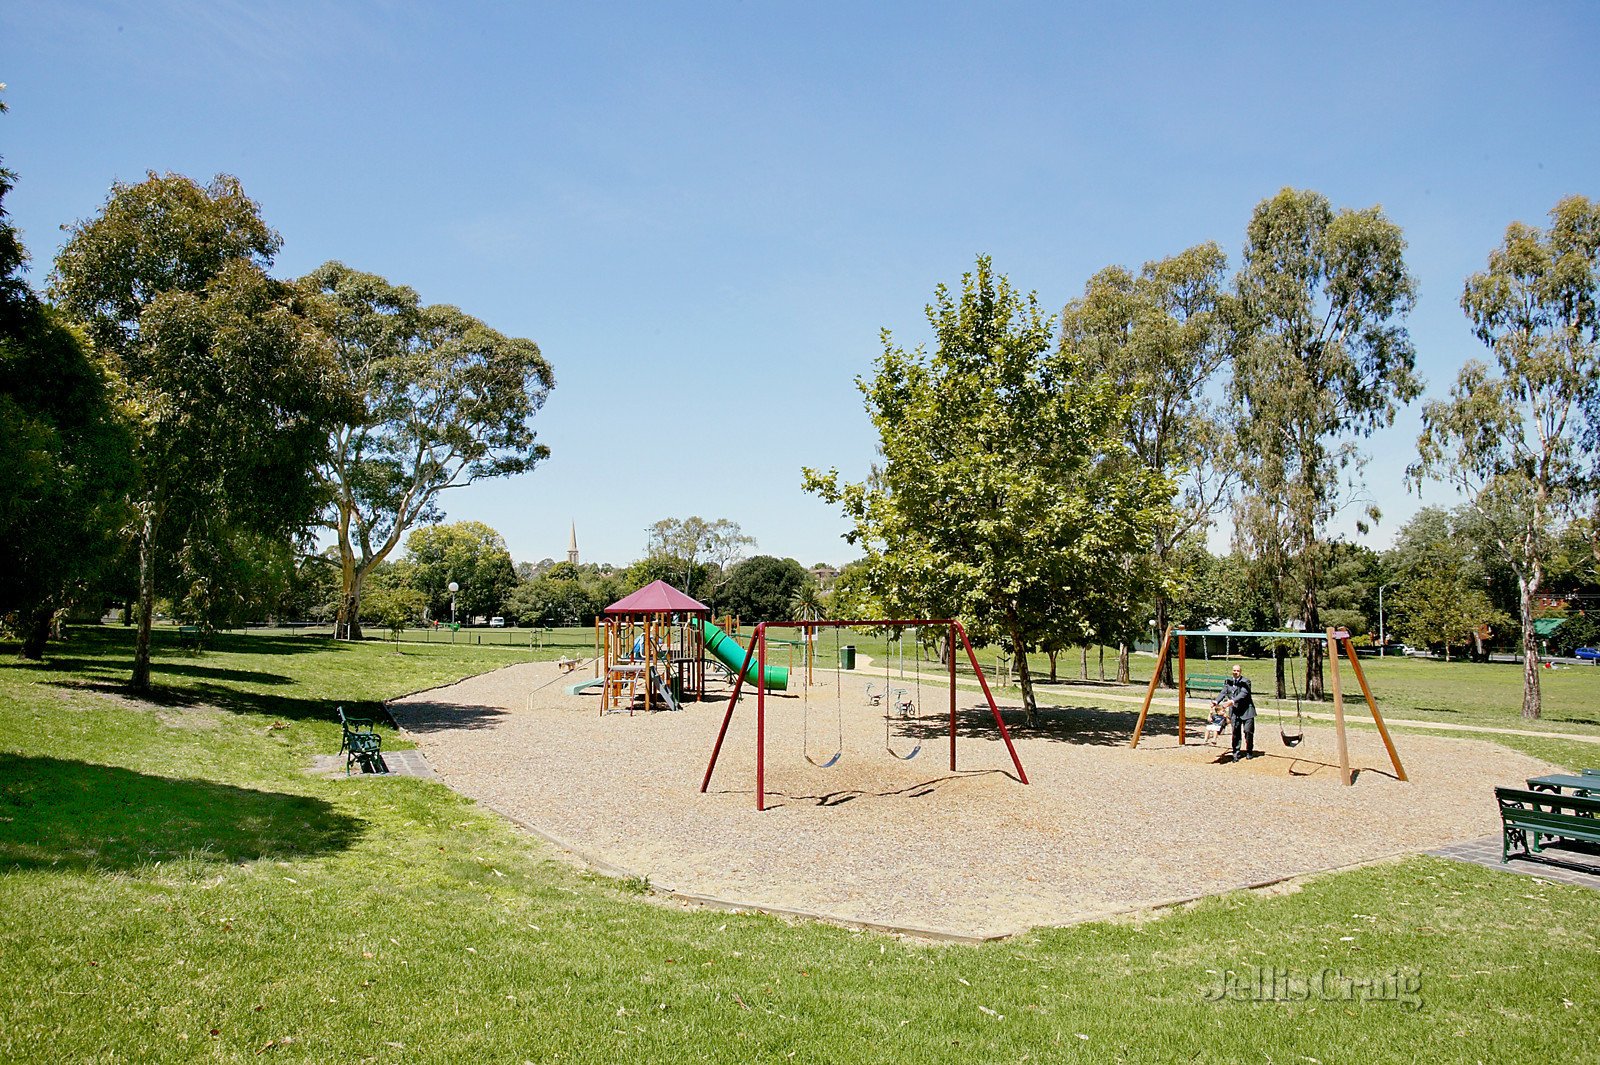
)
(36, 632)
(1314, 647)
(1052, 655)
(1277, 667)
(1083, 670)
(1102, 661)
(140, 681)
(1530, 650)
(1163, 612)
(1123, 674)
(1030, 703)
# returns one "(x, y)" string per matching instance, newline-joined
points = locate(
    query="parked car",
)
(497, 622)
(1588, 654)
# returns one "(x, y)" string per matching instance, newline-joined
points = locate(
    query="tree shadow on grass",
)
(445, 717)
(75, 816)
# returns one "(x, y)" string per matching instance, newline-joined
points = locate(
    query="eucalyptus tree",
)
(1006, 492)
(699, 554)
(228, 392)
(1322, 360)
(1162, 336)
(437, 400)
(1516, 437)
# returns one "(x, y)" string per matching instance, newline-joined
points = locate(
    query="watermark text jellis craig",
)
(1266, 983)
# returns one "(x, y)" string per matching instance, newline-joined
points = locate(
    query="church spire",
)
(572, 545)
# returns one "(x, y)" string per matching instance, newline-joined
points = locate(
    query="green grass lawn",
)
(174, 886)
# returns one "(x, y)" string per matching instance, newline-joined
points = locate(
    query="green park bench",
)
(1204, 682)
(361, 745)
(1528, 817)
(195, 633)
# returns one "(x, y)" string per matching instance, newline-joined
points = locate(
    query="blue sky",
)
(705, 213)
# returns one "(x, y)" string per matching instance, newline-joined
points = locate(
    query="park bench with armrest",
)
(361, 744)
(1529, 818)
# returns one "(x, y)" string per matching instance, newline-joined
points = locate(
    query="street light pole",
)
(454, 588)
(1383, 637)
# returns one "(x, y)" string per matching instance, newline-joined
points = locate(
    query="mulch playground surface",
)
(1100, 829)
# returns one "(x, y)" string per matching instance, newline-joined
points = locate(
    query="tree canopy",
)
(1007, 494)
(1518, 438)
(1322, 359)
(228, 393)
(436, 399)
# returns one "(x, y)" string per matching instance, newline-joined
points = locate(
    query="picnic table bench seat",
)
(1529, 818)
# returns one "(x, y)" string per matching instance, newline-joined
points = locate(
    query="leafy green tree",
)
(230, 394)
(437, 400)
(1161, 335)
(1006, 492)
(1442, 587)
(1322, 360)
(469, 553)
(61, 499)
(1512, 437)
(395, 608)
(696, 555)
(761, 588)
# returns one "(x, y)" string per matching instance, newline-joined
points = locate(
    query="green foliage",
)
(1162, 336)
(469, 553)
(693, 554)
(61, 499)
(1519, 438)
(228, 393)
(565, 595)
(1322, 360)
(435, 399)
(762, 588)
(394, 608)
(1007, 495)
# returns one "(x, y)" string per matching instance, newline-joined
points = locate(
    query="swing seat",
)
(829, 764)
(1290, 741)
(904, 757)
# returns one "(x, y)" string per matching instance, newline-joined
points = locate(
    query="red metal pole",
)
(950, 653)
(987, 694)
(761, 715)
(733, 700)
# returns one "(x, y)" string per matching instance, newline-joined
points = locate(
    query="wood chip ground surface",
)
(1100, 828)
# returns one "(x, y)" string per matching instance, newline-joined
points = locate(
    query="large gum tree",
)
(437, 400)
(1517, 436)
(227, 392)
(1322, 360)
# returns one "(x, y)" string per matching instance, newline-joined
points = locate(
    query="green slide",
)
(726, 649)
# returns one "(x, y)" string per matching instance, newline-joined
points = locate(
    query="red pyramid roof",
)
(657, 597)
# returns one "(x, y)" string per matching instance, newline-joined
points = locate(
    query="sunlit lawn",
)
(173, 885)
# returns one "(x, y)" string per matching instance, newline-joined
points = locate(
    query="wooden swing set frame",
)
(1335, 639)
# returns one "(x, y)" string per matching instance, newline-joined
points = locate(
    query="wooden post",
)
(1341, 742)
(1377, 718)
(1150, 692)
(1183, 690)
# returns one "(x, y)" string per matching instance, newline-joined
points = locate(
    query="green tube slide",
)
(726, 649)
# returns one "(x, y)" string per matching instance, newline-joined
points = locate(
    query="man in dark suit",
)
(1237, 701)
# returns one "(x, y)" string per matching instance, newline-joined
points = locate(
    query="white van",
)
(497, 622)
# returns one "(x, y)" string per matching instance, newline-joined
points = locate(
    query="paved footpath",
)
(1576, 867)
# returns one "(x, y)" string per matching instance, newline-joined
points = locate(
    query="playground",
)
(881, 839)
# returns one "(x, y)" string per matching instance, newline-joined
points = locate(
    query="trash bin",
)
(847, 656)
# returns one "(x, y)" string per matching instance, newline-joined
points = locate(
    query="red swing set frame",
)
(758, 651)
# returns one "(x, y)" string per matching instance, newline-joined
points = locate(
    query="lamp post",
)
(1383, 637)
(454, 588)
